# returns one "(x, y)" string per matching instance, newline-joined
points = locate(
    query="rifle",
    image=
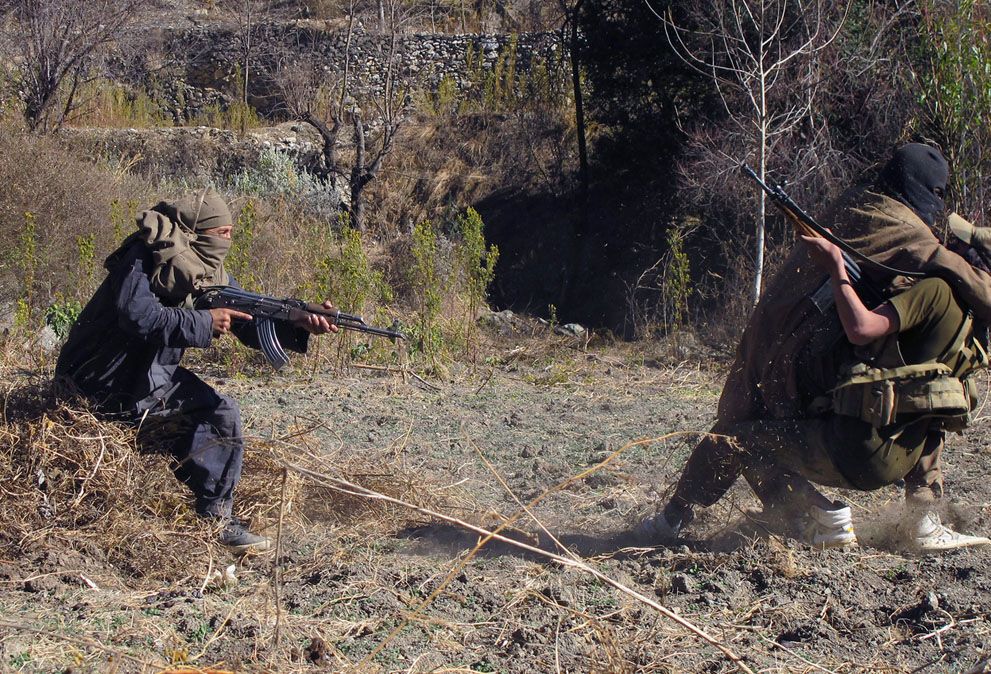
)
(267, 310)
(806, 225)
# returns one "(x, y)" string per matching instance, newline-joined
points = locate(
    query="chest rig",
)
(885, 392)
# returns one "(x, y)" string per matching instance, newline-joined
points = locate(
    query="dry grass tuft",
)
(73, 481)
(77, 484)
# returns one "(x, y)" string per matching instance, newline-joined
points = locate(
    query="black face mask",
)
(917, 175)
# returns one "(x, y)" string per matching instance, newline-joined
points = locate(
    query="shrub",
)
(348, 279)
(239, 260)
(61, 315)
(427, 283)
(477, 261)
(112, 105)
(58, 248)
(26, 258)
(676, 285)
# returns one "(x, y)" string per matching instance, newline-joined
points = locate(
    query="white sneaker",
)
(828, 528)
(657, 528)
(929, 534)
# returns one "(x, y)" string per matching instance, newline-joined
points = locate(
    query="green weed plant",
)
(676, 284)
(85, 271)
(477, 260)
(501, 87)
(955, 90)
(348, 279)
(27, 263)
(61, 315)
(115, 106)
(235, 117)
(239, 260)
(428, 294)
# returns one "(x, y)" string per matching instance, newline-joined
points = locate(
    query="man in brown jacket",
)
(802, 403)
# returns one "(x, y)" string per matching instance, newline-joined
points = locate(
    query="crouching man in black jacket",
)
(123, 352)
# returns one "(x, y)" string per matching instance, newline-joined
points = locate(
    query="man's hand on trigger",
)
(223, 319)
(316, 324)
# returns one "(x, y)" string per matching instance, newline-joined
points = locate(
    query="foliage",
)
(57, 45)
(108, 104)
(477, 261)
(347, 278)
(27, 261)
(85, 264)
(428, 285)
(237, 116)
(239, 260)
(676, 285)
(122, 217)
(275, 173)
(955, 94)
(501, 87)
(61, 315)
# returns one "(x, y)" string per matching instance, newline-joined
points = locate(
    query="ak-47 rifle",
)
(266, 311)
(806, 225)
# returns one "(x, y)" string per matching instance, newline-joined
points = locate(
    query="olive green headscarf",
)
(185, 259)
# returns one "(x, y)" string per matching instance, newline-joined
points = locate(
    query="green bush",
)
(112, 105)
(348, 279)
(676, 283)
(27, 263)
(955, 94)
(275, 174)
(61, 316)
(239, 260)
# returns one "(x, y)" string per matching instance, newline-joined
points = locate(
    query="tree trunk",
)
(576, 83)
(761, 216)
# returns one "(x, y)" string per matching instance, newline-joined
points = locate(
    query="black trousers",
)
(201, 429)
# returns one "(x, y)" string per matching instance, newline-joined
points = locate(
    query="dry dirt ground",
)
(389, 590)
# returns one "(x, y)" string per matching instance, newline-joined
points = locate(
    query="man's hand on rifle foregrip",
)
(317, 324)
(224, 318)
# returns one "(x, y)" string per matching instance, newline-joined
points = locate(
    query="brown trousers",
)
(781, 459)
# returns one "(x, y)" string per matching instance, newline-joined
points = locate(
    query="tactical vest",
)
(884, 396)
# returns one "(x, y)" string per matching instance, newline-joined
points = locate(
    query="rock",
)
(573, 329)
(318, 652)
(503, 322)
(47, 340)
(682, 584)
(7, 314)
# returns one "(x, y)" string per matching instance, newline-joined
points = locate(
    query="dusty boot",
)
(666, 525)
(927, 533)
(235, 535)
(827, 528)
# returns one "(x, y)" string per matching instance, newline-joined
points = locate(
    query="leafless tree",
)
(761, 57)
(250, 44)
(329, 106)
(56, 45)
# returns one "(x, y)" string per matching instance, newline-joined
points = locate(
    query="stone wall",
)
(190, 68)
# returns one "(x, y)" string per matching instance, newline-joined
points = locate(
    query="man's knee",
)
(226, 417)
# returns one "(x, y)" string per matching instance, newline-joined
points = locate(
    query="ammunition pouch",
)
(879, 395)
(942, 389)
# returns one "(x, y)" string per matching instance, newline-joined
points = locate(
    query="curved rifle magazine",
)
(268, 340)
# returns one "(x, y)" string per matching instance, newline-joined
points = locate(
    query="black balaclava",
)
(916, 175)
